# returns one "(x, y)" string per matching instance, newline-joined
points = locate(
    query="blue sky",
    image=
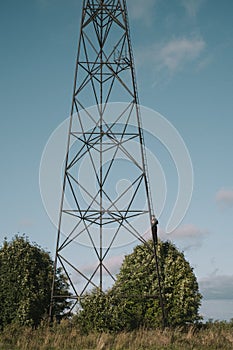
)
(184, 62)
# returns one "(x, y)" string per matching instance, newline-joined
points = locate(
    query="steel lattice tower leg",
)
(98, 137)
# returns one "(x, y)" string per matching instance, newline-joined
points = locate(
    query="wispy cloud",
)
(141, 10)
(172, 55)
(192, 7)
(215, 287)
(25, 223)
(113, 264)
(206, 61)
(224, 197)
(179, 51)
(187, 236)
(43, 3)
(188, 231)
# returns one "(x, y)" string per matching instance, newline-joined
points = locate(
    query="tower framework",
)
(106, 200)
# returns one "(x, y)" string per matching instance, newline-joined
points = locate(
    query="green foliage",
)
(96, 311)
(133, 301)
(26, 273)
(138, 284)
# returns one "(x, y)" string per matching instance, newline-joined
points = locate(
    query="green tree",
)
(96, 313)
(133, 301)
(26, 272)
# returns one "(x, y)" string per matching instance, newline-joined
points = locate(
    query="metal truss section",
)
(106, 200)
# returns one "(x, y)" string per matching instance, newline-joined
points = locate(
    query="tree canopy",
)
(133, 301)
(26, 272)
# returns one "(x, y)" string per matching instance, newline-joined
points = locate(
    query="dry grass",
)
(67, 337)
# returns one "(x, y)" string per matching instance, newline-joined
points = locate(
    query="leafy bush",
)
(26, 272)
(133, 301)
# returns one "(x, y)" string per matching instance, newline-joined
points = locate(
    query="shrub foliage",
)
(133, 301)
(26, 273)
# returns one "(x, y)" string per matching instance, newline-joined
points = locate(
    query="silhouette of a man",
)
(154, 229)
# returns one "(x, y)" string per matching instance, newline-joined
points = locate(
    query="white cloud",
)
(173, 55)
(224, 197)
(177, 52)
(217, 287)
(141, 10)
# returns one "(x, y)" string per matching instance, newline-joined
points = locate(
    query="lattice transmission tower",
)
(106, 201)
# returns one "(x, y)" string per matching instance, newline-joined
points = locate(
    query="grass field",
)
(213, 336)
